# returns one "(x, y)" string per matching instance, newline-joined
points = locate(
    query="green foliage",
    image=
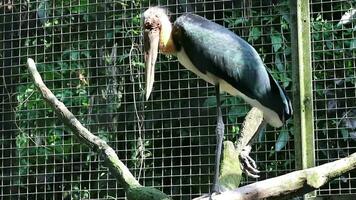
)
(76, 38)
(255, 34)
(334, 76)
(282, 140)
(87, 52)
(89, 56)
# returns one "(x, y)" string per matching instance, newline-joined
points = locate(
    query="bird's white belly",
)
(270, 116)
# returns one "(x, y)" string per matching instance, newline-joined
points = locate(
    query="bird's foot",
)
(215, 190)
(211, 195)
(248, 164)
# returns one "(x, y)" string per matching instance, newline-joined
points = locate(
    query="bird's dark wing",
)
(213, 48)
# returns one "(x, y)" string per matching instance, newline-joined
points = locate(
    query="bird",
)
(218, 56)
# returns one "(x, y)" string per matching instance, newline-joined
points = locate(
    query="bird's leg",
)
(219, 141)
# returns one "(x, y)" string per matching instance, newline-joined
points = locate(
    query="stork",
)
(221, 58)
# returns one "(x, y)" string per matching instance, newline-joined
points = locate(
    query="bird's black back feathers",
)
(215, 49)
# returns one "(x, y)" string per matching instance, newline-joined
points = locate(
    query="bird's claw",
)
(216, 189)
(248, 164)
(213, 194)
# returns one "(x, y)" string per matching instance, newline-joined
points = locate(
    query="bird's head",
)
(157, 36)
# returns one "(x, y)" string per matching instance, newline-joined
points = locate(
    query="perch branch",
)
(114, 163)
(250, 127)
(291, 184)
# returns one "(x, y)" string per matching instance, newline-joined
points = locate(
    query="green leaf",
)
(345, 134)
(210, 102)
(109, 34)
(261, 136)
(279, 63)
(255, 34)
(285, 21)
(231, 100)
(282, 140)
(21, 141)
(287, 51)
(353, 44)
(276, 41)
(235, 22)
(74, 55)
(237, 111)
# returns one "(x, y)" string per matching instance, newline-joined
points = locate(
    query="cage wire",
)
(89, 53)
(333, 57)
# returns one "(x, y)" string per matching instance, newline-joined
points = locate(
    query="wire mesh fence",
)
(333, 53)
(89, 53)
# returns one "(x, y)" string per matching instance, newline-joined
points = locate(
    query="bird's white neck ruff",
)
(166, 42)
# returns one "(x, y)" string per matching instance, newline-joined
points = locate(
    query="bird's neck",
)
(166, 44)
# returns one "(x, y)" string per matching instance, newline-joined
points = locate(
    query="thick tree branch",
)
(128, 181)
(250, 127)
(291, 184)
(236, 157)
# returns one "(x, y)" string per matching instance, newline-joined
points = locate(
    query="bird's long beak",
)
(151, 41)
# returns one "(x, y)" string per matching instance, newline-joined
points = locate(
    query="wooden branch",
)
(249, 128)
(231, 167)
(93, 141)
(285, 186)
(291, 184)
(124, 176)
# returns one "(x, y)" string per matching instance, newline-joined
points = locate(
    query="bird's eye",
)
(151, 24)
(148, 25)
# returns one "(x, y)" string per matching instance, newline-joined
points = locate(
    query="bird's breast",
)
(187, 63)
(206, 75)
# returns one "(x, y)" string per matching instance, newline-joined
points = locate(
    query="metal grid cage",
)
(334, 86)
(89, 53)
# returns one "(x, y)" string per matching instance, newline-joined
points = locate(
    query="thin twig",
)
(15, 111)
(141, 148)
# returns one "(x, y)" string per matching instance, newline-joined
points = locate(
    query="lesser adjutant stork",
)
(221, 58)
